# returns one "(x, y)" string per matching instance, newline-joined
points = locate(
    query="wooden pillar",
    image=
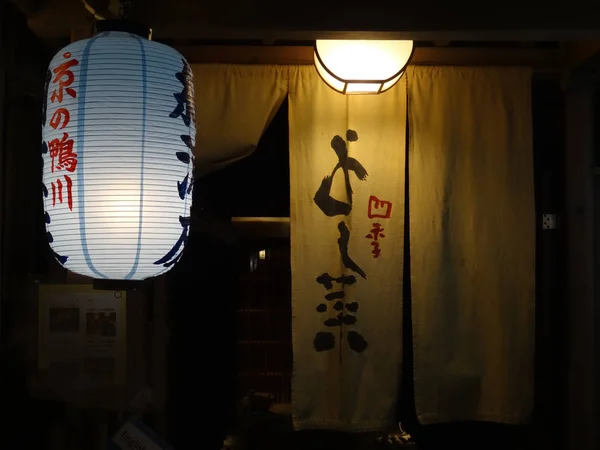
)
(3, 64)
(581, 291)
(157, 377)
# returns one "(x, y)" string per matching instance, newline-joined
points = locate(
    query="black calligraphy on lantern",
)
(174, 255)
(377, 209)
(340, 312)
(185, 107)
(60, 258)
(186, 111)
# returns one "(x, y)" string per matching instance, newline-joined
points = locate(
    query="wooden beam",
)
(262, 227)
(29, 6)
(577, 53)
(543, 59)
(430, 35)
(270, 19)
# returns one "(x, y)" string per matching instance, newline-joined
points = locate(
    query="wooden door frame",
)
(582, 292)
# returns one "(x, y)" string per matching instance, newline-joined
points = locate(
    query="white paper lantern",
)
(118, 138)
(361, 66)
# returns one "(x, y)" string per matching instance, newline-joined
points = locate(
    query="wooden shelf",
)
(263, 310)
(265, 374)
(265, 227)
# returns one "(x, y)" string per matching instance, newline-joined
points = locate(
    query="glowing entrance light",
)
(362, 66)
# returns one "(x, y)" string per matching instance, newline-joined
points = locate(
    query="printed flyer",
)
(135, 435)
(83, 331)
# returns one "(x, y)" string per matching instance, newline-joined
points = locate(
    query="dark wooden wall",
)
(3, 61)
(22, 66)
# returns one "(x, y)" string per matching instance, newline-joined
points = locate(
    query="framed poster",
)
(82, 334)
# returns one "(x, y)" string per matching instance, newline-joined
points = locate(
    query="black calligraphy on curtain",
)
(344, 310)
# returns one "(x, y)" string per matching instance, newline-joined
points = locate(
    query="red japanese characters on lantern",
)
(63, 79)
(57, 191)
(381, 209)
(60, 149)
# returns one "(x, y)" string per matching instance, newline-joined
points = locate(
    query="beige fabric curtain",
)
(347, 230)
(472, 234)
(234, 105)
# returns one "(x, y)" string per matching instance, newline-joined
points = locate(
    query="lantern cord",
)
(92, 11)
(125, 8)
(121, 8)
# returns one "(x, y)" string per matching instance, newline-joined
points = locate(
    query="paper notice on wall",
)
(135, 435)
(82, 333)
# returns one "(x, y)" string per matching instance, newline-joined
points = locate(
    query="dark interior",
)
(229, 311)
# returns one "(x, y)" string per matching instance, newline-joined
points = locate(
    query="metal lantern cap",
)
(124, 26)
(362, 66)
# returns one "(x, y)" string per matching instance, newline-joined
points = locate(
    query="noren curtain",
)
(347, 230)
(234, 105)
(472, 242)
(472, 235)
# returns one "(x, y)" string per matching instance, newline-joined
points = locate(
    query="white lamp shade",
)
(361, 66)
(118, 136)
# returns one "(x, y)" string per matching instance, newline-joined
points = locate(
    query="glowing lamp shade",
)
(361, 67)
(118, 137)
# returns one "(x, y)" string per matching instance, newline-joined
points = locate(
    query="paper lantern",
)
(118, 138)
(361, 67)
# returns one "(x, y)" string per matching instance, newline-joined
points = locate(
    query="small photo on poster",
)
(101, 324)
(63, 319)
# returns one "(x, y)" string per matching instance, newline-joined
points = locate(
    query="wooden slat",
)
(544, 59)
